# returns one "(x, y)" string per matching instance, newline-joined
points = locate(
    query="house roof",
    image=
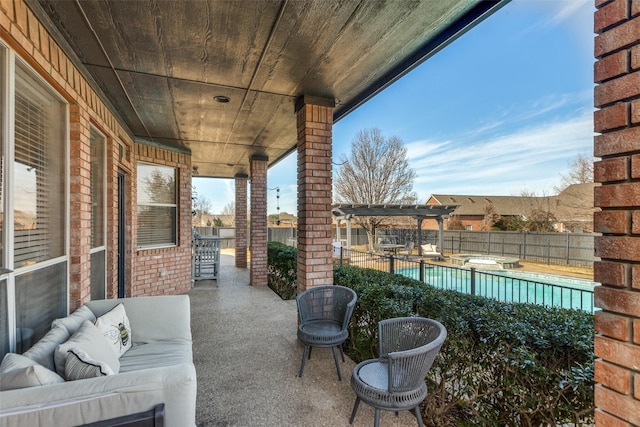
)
(475, 204)
(160, 64)
(576, 201)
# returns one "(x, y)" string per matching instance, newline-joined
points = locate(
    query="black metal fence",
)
(471, 281)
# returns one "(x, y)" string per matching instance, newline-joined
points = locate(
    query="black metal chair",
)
(396, 380)
(324, 315)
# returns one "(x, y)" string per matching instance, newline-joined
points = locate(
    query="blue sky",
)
(503, 109)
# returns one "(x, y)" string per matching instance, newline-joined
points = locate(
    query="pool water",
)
(511, 286)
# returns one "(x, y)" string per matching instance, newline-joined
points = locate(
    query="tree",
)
(376, 172)
(538, 214)
(455, 223)
(540, 220)
(229, 209)
(491, 216)
(200, 206)
(511, 223)
(580, 172)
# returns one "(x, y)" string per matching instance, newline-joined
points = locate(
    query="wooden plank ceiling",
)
(161, 63)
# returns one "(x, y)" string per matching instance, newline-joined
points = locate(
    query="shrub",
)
(281, 260)
(507, 364)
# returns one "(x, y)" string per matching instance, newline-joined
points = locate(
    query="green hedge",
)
(502, 363)
(281, 260)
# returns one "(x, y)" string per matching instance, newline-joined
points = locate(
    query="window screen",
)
(39, 170)
(157, 209)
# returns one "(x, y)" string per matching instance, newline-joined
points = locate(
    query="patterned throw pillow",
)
(115, 326)
(88, 338)
(80, 365)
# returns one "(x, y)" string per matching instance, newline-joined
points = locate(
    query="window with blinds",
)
(157, 207)
(39, 173)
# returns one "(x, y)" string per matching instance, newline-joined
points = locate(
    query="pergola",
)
(419, 212)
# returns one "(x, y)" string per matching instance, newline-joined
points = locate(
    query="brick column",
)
(617, 341)
(258, 274)
(241, 220)
(80, 208)
(315, 121)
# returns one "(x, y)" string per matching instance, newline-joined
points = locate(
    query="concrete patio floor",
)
(247, 358)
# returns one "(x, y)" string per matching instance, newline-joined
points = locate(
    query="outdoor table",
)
(392, 247)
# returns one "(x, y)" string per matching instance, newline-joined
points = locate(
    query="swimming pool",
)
(510, 286)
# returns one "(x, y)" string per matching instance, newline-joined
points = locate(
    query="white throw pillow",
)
(89, 339)
(80, 366)
(17, 371)
(116, 328)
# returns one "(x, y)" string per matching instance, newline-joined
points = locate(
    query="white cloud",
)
(560, 12)
(530, 158)
(569, 10)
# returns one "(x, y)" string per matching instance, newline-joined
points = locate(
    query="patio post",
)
(315, 262)
(258, 274)
(419, 220)
(617, 324)
(241, 219)
(441, 235)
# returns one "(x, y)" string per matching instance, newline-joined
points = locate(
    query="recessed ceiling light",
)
(222, 99)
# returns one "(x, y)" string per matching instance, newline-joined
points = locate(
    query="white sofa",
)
(157, 369)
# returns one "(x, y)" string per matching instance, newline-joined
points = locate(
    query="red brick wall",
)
(617, 342)
(314, 194)
(259, 266)
(241, 221)
(79, 206)
(22, 32)
(166, 270)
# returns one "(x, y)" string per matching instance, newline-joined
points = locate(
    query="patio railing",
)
(471, 281)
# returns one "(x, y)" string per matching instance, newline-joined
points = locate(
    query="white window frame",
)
(174, 205)
(7, 102)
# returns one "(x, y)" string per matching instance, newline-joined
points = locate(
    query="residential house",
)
(572, 209)
(209, 220)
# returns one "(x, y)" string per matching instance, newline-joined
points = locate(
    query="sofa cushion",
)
(156, 355)
(89, 339)
(429, 248)
(73, 321)
(80, 366)
(17, 371)
(42, 351)
(116, 328)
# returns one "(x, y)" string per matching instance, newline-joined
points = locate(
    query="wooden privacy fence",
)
(551, 248)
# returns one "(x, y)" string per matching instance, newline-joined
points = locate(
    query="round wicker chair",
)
(324, 315)
(395, 381)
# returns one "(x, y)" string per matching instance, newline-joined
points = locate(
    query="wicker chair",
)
(395, 381)
(324, 315)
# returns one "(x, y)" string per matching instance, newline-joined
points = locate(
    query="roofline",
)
(472, 17)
